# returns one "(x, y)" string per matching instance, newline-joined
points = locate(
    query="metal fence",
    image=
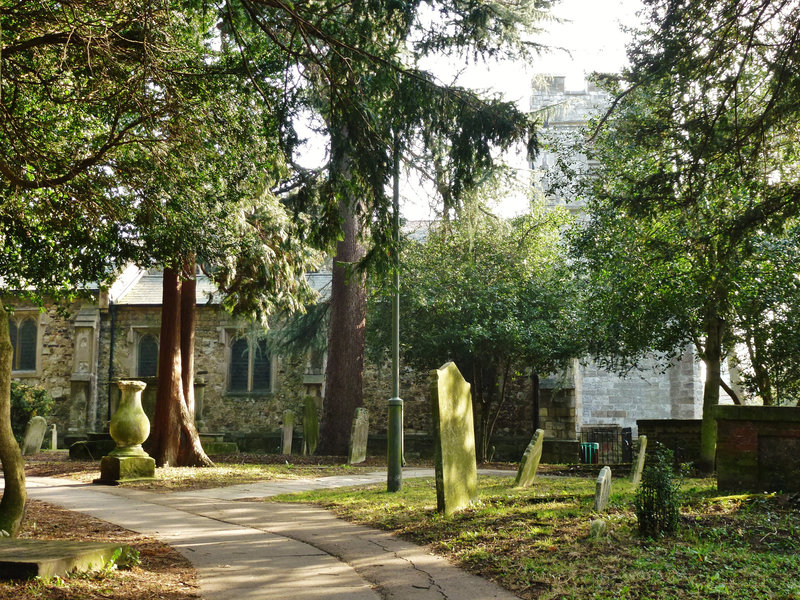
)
(606, 445)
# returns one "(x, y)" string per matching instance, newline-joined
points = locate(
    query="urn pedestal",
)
(129, 428)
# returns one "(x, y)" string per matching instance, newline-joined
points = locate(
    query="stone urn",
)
(129, 426)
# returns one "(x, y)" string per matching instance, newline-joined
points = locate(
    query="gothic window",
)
(147, 356)
(23, 340)
(250, 368)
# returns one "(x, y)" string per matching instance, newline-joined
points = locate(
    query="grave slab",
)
(638, 461)
(24, 559)
(602, 489)
(530, 461)
(34, 436)
(454, 440)
(358, 437)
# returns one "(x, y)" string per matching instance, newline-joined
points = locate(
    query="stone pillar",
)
(83, 382)
(561, 402)
(199, 400)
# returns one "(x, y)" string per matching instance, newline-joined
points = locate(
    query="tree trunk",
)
(713, 360)
(345, 371)
(12, 506)
(191, 453)
(535, 400)
(166, 432)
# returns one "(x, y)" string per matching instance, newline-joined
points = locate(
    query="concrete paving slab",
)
(25, 559)
(271, 551)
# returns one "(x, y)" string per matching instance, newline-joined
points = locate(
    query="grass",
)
(535, 542)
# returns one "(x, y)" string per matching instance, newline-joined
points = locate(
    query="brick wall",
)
(682, 436)
(758, 448)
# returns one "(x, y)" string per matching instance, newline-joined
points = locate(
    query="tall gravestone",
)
(638, 461)
(602, 489)
(358, 437)
(454, 440)
(310, 424)
(530, 461)
(288, 430)
(34, 436)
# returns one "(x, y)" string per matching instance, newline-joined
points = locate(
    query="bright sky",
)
(589, 39)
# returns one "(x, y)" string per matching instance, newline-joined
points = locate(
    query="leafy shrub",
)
(657, 500)
(27, 401)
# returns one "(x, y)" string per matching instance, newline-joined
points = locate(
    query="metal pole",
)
(394, 451)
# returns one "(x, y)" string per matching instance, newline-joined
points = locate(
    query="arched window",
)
(147, 356)
(250, 368)
(262, 368)
(23, 340)
(240, 359)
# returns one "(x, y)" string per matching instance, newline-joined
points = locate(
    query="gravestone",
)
(53, 437)
(454, 440)
(310, 424)
(530, 461)
(288, 430)
(358, 437)
(34, 436)
(638, 461)
(602, 489)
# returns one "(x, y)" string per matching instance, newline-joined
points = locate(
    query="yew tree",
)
(358, 73)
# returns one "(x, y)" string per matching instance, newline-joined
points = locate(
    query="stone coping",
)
(780, 414)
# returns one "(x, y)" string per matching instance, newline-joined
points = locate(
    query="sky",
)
(588, 39)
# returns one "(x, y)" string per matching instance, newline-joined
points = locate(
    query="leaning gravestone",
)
(602, 489)
(638, 461)
(34, 436)
(310, 424)
(288, 430)
(530, 461)
(454, 440)
(358, 437)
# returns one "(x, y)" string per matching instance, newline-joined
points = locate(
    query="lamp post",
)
(394, 451)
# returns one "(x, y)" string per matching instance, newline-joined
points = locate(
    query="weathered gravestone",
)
(358, 437)
(288, 430)
(602, 489)
(34, 436)
(454, 440)
(310, 424)
(638, 461)
(530, 461)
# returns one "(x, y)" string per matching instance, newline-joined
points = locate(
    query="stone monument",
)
(530, 461)
(310, 424)
(638, 461)
(288, 431)
(454, 440)
(602, 489)
(358, 437)
(129, 428)
(34, 436)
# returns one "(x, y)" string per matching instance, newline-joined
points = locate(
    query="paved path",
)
(270, 551)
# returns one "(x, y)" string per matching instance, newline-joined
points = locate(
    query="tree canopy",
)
(496, 297)
(695, 173)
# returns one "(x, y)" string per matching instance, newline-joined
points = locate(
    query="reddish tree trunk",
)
(191, 453)
(345, 370)
(166, 431)
(188, 312)
(12, 506)
(174, 439)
